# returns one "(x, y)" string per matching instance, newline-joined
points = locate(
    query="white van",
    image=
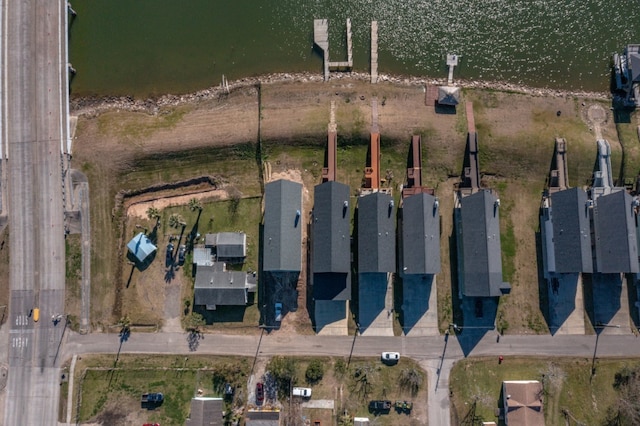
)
(303, 392)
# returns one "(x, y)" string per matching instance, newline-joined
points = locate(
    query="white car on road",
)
(390, 356)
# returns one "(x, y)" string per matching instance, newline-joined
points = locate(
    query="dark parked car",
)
(259, 393)
(381, 405)
(153, 398)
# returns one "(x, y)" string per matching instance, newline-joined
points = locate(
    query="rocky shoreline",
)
(92, 106)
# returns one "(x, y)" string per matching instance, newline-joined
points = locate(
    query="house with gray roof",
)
(262, 418)
(205, 411)
(282, 242)
(566, 232)
(376, 233)
(614, 221)
(331, 242)
(281, 249)
(420, 235)
(214, 287)
(376, 262)
(627, 74)
(478, 230)
(229, 247)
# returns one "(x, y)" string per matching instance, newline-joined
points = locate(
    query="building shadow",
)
(456, 306)
(279, 287)
(444, 109)
(415, 299)
(371, 304)
(561, 293)
(479, 315)
(222, 314)
(632, 294)
(543, 286)
(141, 266)
(607, 289)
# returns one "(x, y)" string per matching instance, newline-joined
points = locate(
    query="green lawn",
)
(105, 389)
(568, 385)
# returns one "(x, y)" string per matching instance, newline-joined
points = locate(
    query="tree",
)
(363, 385)
(175, 221)
(125, 327)
(626, 410)
(340, 367)
(194, 204)
(315, 371)
(411, 380)
(283, 370)
(193, 322)
(153, 213)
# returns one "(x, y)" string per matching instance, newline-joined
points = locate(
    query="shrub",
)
(315, 371)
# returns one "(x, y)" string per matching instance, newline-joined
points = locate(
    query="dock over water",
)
(374, 51)
(321, 39)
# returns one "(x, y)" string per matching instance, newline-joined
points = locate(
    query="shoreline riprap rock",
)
(91, 106)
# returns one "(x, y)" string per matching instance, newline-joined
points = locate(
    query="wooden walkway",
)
(452, 62)
(321, 39)
(374, 51)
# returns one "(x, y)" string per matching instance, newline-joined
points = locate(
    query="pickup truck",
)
(153, 398)
(303, 392)
(380, 405)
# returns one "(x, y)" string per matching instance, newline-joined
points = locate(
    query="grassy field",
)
(568, 387)
(113, 394)
(73, 279)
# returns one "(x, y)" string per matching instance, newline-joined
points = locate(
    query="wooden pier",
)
(452, 62)
(321, 39)
(374, 52)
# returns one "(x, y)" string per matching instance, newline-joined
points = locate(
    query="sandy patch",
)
(140, 209)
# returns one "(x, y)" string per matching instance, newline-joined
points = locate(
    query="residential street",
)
(428, 351)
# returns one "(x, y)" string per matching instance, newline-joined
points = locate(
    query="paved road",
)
(418, 348)
(35, 87)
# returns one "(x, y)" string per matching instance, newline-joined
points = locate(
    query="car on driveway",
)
(259, 393)
(390, 356)
(278, 309)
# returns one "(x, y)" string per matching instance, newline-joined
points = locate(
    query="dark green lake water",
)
(152, 47)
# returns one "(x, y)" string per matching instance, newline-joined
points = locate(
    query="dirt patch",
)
(139, 209)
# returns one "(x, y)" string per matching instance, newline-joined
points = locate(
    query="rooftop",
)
(226, 288)
(571, 241)
(420, 235)
(615, 233)
(282, 236)
(331, 223)
(205, 412)
(141, 247)
(481, 250)
(376, 233)
(523, 403)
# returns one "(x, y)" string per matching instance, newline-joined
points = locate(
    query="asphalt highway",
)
(35, 124)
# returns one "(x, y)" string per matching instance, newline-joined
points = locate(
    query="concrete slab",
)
(325, 404)
(419, 305)
(331, 317)
(375, 304)
(566, 306)
(610, 304)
